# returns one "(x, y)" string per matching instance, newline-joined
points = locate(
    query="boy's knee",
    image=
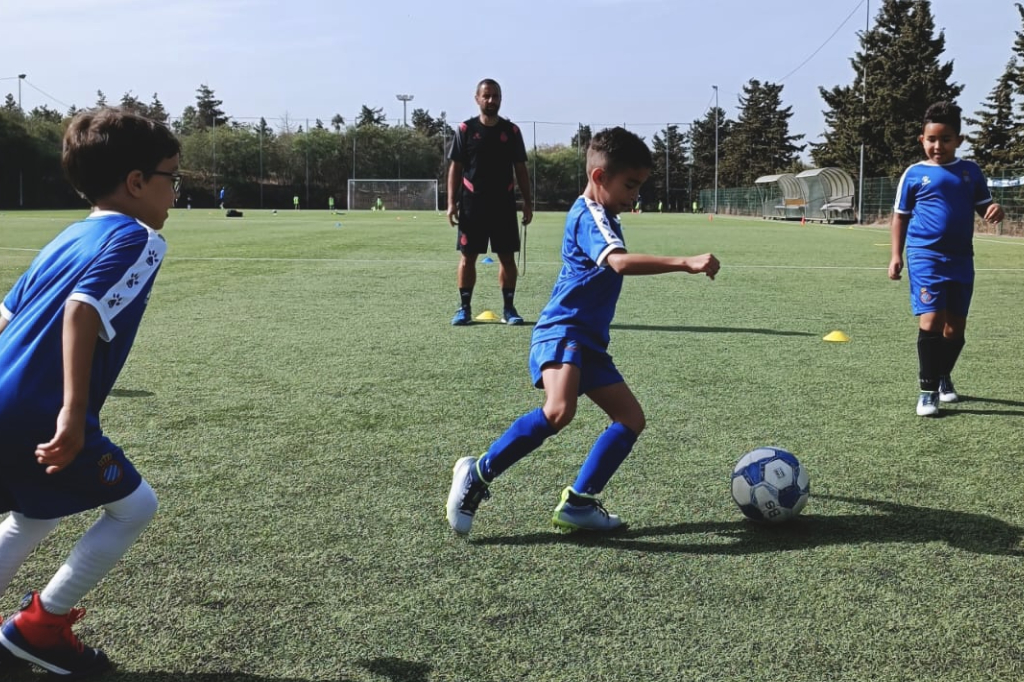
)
(635, 423)
(137, 509)
(559, 416)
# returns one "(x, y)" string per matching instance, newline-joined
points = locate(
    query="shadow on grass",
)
(890, 522)
(394, 669)
(964, 407)
(129, 393)
(706, 330)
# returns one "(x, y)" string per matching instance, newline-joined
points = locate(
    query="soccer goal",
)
(392, 195)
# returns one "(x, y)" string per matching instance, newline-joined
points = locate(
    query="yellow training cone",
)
(836, 336)
(487, 316)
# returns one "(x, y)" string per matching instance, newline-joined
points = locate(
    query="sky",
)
(642, 63)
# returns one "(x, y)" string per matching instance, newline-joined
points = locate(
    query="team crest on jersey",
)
(111, 472)
(925, 180)
(966, 176)
(476, 136)
(504, 137)
(926, 296)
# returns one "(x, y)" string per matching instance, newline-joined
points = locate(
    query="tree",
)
(101, 99)
(999, 130)
(702, 147)
(897, 75)
(670, 176)
(581, 138)
(10, 104)
(337, 122)
(760, 143)
(429, 126)
(157, 111)
(132, 103)
(209, 113)
(371, 118)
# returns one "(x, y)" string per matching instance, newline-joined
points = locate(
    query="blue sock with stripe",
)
(524, 436)
(609, 451)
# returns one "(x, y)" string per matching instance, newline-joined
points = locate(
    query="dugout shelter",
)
(782, 197)
(829, 193)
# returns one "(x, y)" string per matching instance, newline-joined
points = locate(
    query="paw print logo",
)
(114, 301)
(133, 279)
(152, 258)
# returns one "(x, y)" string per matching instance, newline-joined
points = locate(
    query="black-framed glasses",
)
(175, 179)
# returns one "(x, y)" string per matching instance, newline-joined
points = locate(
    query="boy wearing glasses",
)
(66, 328)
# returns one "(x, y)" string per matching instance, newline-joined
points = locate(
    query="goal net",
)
(392, 195)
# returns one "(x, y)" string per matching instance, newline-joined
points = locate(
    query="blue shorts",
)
(101, 474)
(940, 282)
(596, 367)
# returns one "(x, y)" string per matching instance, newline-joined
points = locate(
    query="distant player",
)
(295, 202)
(488, 159)
(330, 204)
(223, 190)
(934, 218)
(569, 352)
(65, 332)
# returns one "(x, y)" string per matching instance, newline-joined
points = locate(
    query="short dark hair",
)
(103, 145)
(488, 81)
(616, 149)
(945, 113)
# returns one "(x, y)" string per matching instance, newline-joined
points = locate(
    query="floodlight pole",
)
(715, 211)
(404, 99)
(864, 103)
(21, 175)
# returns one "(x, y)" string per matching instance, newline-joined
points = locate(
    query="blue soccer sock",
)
(524, 436)
(609, 451)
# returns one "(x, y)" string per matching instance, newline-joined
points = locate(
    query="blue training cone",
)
(488, 259)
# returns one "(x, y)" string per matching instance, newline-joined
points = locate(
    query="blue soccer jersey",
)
(108, 261)
(941, 201)
(583, 301)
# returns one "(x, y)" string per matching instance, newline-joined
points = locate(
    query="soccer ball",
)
(770, 485)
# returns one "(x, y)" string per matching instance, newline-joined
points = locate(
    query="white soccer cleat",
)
(928, 404)
(467, 491)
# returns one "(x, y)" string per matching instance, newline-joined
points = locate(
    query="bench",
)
(789, 205)
(838, 209)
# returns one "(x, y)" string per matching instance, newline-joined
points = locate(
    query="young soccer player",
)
(66, 328)
(934, 219)
(569, 352)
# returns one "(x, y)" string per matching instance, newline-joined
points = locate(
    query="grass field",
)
(297, 397)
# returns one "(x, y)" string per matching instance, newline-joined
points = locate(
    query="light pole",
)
(404, 99)
(864, 104)
(21, 181)
(715, 210)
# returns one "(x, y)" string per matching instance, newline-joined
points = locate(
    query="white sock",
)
(19, 535)
(100, 549)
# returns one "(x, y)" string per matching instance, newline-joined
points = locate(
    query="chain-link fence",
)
(879, 196)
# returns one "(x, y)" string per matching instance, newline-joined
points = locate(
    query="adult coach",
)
(488, 159)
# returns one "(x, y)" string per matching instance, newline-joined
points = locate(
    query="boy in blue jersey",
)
(66, 328)
(934, 219)
(569, 351)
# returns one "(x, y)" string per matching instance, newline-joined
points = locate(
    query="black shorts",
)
(483, 223)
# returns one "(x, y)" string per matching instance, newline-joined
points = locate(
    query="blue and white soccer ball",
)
(770, 485)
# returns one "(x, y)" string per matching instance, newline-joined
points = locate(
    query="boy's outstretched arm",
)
(81, 329)
(898, 237)
(626, 263)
